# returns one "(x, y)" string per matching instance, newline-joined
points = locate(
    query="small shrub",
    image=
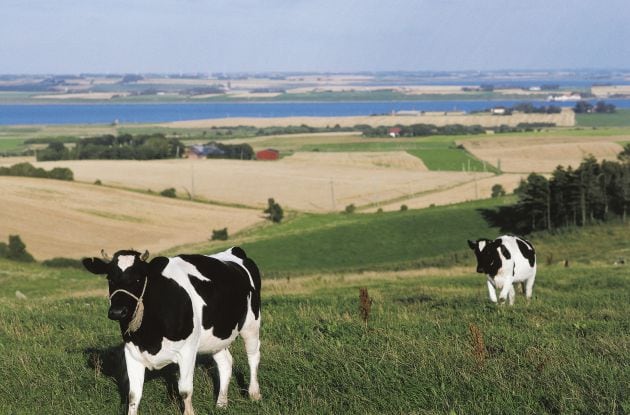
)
(350, 208)
(497, 191)
(380, 210)
(403, 208)
(16, 250)
(220, 234)
(274, 211)
(170, 192)
(98, 182)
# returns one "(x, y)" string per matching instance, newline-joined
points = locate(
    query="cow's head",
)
(127, 273)
(487, 252)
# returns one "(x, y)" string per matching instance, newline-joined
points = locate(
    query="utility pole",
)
(192, 179)
(332, 194)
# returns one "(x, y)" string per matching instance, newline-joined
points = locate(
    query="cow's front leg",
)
(224, 364)
(135, 373)
(511, 295)
(492, 291)
(185, 383)
(505, 290)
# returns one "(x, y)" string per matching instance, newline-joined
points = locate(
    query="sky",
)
(209, 36)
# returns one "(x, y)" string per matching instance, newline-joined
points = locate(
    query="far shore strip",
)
(564, 119)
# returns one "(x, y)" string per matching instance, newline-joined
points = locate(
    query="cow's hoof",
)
(222, 403)
(255, 396)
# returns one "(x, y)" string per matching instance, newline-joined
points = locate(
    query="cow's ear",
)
(145, 255)
(472, 244)
(505, 252)
(95, 265)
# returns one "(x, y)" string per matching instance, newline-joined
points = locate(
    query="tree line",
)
(28, 170)
(111, 147)
(593, 192)
(424, 130)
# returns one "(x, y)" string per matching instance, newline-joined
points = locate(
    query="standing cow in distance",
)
(170, 309)
(506, 260)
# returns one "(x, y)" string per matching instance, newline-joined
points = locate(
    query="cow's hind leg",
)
(224, 364)
(251, 337)
(185, 383)
(529, 288)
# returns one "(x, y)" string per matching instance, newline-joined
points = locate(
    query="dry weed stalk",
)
(365, 304)
(479, 347)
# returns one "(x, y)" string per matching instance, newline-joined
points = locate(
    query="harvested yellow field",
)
(477, 188)
(388, 159)
(541, 155)
(65, 219)
(564, 119)
(607, 91)
(319, 185)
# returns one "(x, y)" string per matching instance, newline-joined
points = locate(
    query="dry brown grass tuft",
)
(478, 345)
(365, 304)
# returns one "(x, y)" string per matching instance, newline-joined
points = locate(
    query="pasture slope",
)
(565, 352)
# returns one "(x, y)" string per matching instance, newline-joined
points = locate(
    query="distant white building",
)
(564, 98)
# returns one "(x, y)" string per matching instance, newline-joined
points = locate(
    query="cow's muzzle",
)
(117, 313)
(480, 270)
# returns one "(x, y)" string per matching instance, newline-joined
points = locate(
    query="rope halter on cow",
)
(138, 313)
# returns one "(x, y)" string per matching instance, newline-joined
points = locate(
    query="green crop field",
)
(620, 118)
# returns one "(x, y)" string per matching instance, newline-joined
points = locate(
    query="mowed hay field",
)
(66, 219)
(541, 154)
(322, 183)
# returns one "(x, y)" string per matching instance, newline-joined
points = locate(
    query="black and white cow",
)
(506, 260)
(170, 309)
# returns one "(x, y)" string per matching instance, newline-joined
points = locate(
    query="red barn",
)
(268, 154)
(394, 132)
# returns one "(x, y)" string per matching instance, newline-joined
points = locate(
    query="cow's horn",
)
(105, 256)
(145, 255)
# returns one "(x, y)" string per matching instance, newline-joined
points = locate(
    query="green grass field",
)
(566, 352)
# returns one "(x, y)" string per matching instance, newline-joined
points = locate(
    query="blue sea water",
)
(32, 114)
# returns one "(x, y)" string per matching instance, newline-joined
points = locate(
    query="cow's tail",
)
(250, 265)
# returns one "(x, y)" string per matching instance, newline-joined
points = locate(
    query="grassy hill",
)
(340, 242)
(316, 243)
